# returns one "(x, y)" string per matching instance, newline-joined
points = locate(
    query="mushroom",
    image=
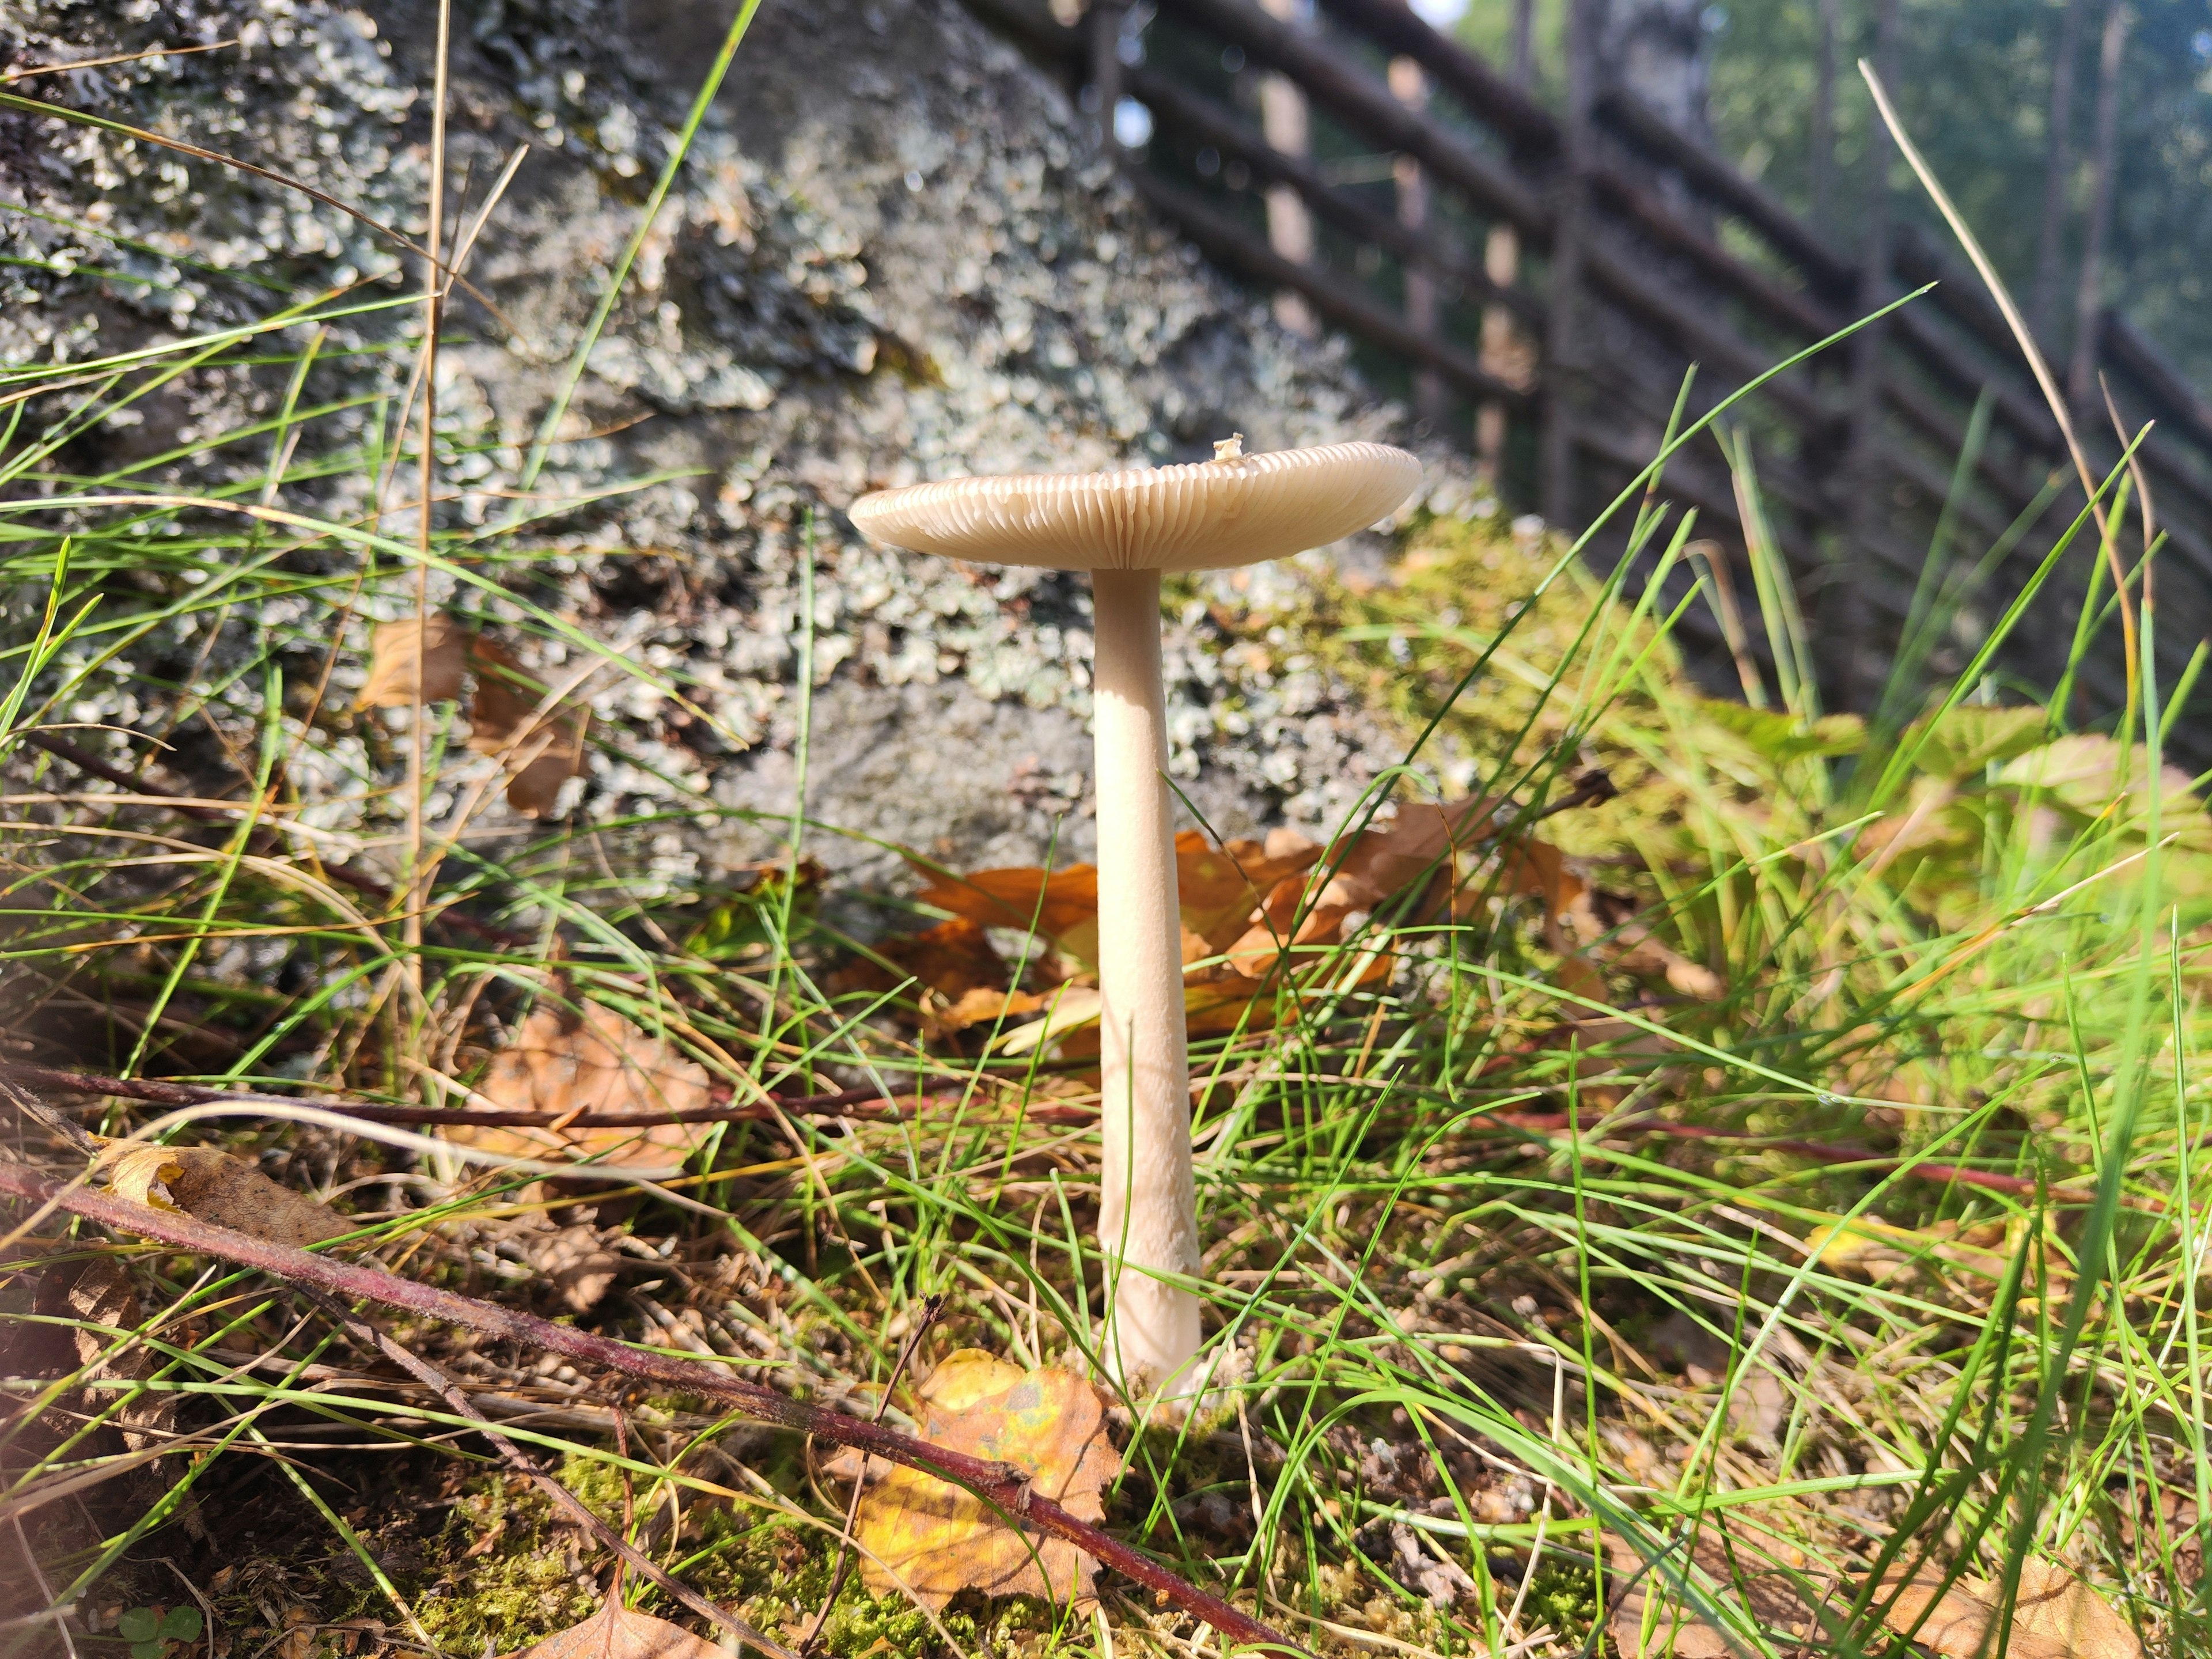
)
(1126, 527)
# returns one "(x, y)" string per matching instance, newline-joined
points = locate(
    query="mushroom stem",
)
(1148, 1212)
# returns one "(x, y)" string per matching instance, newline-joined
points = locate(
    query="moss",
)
(1459, 584)
(498, 1578)
(1563, 1595)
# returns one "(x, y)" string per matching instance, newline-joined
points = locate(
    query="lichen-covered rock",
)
(891, 254)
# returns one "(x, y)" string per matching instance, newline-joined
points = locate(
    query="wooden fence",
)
(1538, 284)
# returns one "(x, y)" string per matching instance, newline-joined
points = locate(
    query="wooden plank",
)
(1676, 318)
(1797, 313)
(1176, 108)
(1365, 103)
(1348, 307)
(1490, 97)
(1716, 179)
(2135, 352)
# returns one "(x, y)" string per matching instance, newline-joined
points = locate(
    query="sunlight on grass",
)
(1553, 1307)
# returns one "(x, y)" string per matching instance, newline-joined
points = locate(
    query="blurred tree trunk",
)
(2057, 160)
(1657, 50)
(2089, 295)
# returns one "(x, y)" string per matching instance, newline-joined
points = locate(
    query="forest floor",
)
(1704, 1177)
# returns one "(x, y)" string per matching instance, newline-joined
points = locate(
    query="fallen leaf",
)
(593, 1060)
(435, 649)
(542, 748)
(1676, 1632)
(965, 980)
(1257, 915)
(1060, 904)
(1963, 740)
(577, 1264)
(1217, 887)
(221, 1190)
(1880, 1252)
(615, 1632)
(936, 1540)
(2057, 1616)
(101, 1295)
(982, 1005)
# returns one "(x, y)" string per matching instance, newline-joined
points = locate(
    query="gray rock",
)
(890, 257)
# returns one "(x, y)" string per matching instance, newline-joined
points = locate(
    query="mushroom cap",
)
(1206, 516)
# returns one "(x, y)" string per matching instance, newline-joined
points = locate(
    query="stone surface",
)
(891, 255)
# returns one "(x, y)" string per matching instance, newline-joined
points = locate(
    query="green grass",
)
(1577, 1352)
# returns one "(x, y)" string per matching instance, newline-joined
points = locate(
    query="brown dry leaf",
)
(2056, 1617)
(222, 1191)
(965, 980)
(299, 1634)
(936, 1540)
(983, 1005)
(394, 665)
(1216, 888)
(101, 1295)
(541, 752)
(615, 1632)
(1677, 1632)
(1060, 904)
(1423, 840)
(577, 1264)
(592, 1060)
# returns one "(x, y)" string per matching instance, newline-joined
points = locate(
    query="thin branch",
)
(1002, 1485)
(840, 1104)
(810, 1642)
(847, 1103)
(443, 1386)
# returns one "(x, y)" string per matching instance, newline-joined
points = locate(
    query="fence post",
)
(1286, 125)
(1561, 344)
(1411, 88)
(1502, 352)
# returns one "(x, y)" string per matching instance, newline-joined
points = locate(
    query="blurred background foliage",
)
(1977, 80)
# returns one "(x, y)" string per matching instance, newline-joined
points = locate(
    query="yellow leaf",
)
(595, 1062)
(937, 1540)
(222, 1191)
(615, 1632)
(435, 649)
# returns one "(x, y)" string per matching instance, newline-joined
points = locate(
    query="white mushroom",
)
(1126, 528)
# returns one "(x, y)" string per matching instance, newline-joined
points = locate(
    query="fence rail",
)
(1542, 283)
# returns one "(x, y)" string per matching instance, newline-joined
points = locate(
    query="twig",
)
(839, 1104)
(1002, 1485)
(812, 1641)
(443, 1386)
(842, 1104)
